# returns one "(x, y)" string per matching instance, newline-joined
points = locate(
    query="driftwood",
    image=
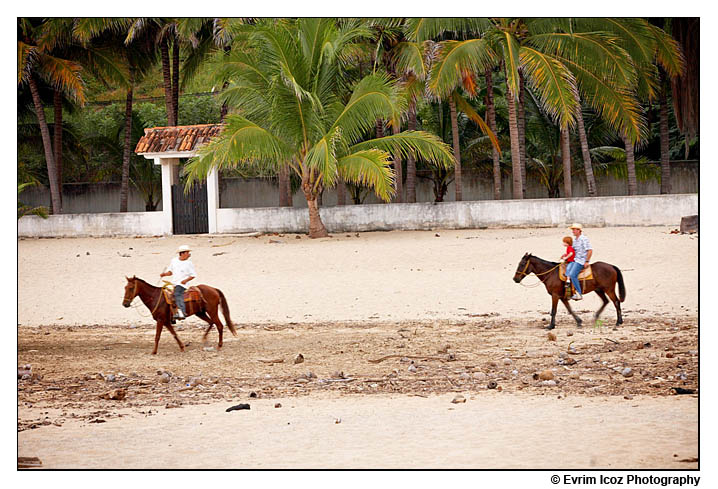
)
(271, 360)
(28, 462)
(413, 357)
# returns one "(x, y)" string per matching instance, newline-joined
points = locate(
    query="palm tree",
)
(36, 61)
(455, 67)
(648, 47)
(292, 110)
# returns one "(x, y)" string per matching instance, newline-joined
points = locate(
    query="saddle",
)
(585, 274)
(193, 299)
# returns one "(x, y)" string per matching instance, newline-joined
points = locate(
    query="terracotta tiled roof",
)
(174, 139)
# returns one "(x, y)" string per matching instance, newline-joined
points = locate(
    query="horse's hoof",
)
(550, 327)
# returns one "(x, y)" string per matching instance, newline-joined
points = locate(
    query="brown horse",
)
(161, 311)
(603, 283)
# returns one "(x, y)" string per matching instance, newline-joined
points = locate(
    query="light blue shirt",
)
(581, 245)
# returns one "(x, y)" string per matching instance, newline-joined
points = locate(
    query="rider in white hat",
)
(182, 271)
(582, 248)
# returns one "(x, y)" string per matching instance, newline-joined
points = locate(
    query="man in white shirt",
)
(182, 271)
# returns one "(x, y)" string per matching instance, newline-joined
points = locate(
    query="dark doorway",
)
(189, 211)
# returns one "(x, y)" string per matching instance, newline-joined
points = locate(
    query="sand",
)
(341, 302)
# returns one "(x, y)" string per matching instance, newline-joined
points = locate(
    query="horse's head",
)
(130, 291)
(524, 268)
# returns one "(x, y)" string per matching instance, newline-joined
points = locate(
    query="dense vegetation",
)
(361, 104)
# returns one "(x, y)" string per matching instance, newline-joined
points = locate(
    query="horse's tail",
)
(621, 286)
(225, 311)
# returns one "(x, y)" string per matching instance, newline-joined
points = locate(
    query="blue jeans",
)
(179, 298)
(572, 270)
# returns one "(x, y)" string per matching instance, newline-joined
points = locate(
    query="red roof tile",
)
(176, 139)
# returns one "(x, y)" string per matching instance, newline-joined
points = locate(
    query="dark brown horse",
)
(161, 311)
(603, 283)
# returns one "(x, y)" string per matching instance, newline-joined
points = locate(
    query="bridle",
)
(159, 298)
(523, 274)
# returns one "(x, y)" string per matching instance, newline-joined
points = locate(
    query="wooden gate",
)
(189, 212)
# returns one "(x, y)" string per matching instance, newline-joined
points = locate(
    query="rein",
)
(523, 273)
(159, 299)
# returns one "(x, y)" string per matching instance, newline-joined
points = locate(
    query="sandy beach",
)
(362, 309)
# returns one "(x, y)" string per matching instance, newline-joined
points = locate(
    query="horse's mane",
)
(145, 282)
(545, 262)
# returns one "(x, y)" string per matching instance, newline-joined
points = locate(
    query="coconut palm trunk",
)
(167, 80)
(515, 151)
(126, 150)
(566, 159)
(457, 152)
(175, 79)
(587, 164)
(399, 197)
(521, 124)
(630, 167)
(55, 201)
(410, 160)
(316, 226)
(57, 136)
(491, 115)
(665, 149)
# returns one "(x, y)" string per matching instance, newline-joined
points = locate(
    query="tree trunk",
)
(587, 164)
(57, 134)
(665, 149)
(521, 123)
(175, 79)
(165, 55)
(126, 150)
(55, 189)
(283, 177)
(316, 226)
(457, 151)
(631, 167)
(410, 161)
(491, 116)
(398, 170)
(517, 187)
(566, 158)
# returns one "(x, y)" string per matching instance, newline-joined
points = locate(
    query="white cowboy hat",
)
(576, 225)
(183, 248)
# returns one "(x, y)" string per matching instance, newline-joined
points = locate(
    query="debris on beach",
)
(237, 407)
(458, 398)
(298, 359)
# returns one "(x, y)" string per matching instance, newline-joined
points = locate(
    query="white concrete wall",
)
(111, 224)
(644, 210)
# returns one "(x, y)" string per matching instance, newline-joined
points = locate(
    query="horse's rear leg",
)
(568, 308)
(617, 303)
(214, 316)
(203, 315)
(172, 330)
(602, 295)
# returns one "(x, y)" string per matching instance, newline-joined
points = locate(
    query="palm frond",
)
(555, 84)
(455, 58)
(464, 106)
(422, 145)
(371, 168)
(64, 75)
(375, 97)
(668, 52)
(241, 142)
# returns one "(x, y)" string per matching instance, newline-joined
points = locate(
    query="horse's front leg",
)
(568, 307)
(179, 342)
(158, 332)
(554, 303)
